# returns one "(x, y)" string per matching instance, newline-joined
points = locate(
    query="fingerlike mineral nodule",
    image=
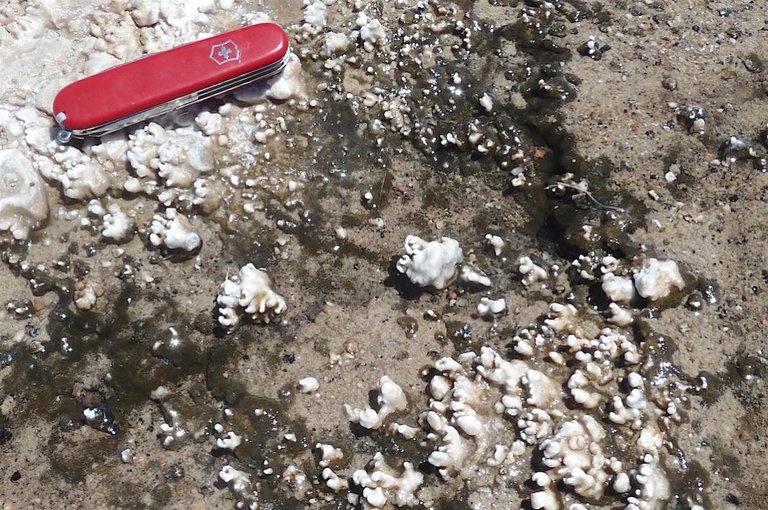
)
(249, 292)
(430, 264)
(658, 278)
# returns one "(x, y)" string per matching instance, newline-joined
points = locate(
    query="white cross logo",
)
(225, 52)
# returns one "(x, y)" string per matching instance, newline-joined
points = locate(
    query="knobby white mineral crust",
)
(173, 231)
(619, 289)
(467, 407)
(496, 242)
(295, 482)
(23, 197)
(333, 481)
(329, 454)
(239, 481)
(85, 180)
(117, 225)
(290, 82)
(183, 158)
(144, 12)
(578, 384)
(86, 294)
(530, 271)
(249, 293)
(314, 14)
(657, 279)
(486, 101)
(177, 157)
(230, 441)
(308, 385)
(545, 500)
(288, 85)
(563, 317)
(406, 431)
(391, 399)
(382, 484)
(430, 264)
(474, 277)
(574, 455)
(207, 195)
(210, 123)
(371, 32)
(487, 411)
(490, 307)
(334, 43)
(620, 316)
(127, 456)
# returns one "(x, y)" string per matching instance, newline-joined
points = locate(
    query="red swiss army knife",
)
(169, 80)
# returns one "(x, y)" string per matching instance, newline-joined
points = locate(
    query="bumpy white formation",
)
(173, 232)
(329, 454)
(471, 276)
(117, 224)
(290, 83)
(619, 289)
(622, 280)
(178, 157)
(308, 385)
(430, 264)
(531, 272)
(470, 397)
(371, 32)
(249, 293)
(23, 195)
(86, 294)
(471, 391)
(491, 307)
(334, 43)
(658, 279)
(391, 399)
(495, 242)
(574, 455)
(229, 442)
(485, 410)
(238, 481)
(84, 179)
(381, 484)
(314, 15)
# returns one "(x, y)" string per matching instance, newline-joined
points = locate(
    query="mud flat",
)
(459, 255)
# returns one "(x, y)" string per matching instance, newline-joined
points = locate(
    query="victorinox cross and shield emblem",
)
(225, 52)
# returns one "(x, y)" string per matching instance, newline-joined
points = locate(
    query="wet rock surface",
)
(600, 166)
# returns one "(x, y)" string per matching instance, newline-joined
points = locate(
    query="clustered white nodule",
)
(430, 264)
(249, 293)
(485, 410)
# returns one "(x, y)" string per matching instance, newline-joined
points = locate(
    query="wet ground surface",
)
(610, 133)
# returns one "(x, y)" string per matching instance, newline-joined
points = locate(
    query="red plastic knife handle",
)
(127, 90)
